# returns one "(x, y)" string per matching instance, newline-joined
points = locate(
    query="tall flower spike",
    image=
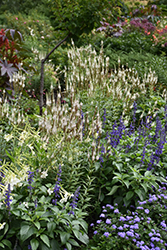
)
(30, 180)
(57, 186)
(73, 204)
(7, 196)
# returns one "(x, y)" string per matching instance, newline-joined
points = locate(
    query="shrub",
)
(143, 227)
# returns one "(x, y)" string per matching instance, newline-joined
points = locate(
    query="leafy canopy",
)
(77, 16)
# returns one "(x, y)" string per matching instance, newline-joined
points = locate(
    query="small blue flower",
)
(121, 234)
(147, 211)
(116, 211)
(108, 221)
(98, 221)
(114, 226)
(106, 234)
(102, 216)
(95, 232)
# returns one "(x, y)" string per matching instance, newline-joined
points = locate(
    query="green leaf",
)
(30, 232)
(113, 190)
(34, 244)
(119, 166)
(6, 228)
(7, 243)
(84, 225)
(76, 233)
(126, 182)
(68, 245)
(97, 165)
(24, 229)
(144, 185)
(147, 173)
(43, 189)
(16, 212)
(140, 194)
(2, 245)
(42, 199)
(37, 224)
(45, 239)
(51, 225)
(84, 238)
(64, 236)
(54, 245)
(129, 195)
(73, 242)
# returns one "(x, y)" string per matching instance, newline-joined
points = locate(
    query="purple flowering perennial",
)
(73, 204)
(30, 179)
(57, 186)
(7, 197)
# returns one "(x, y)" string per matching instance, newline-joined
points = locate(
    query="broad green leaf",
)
(55, 245)
(84, 238)
(76, 233)
(30, 232)
(113, 190)
(34, 244)
(119, 166)
(144, 185)
(51, 225)
(84, 225)
(140, 194)
(73, 242)
(126, 182)
(24, 229)
(7, 243)
(129, 195)
(37, 224)
(68, 245)
(64, 236)
(42, 199)
(2, 245)
(16, 212)
(45, 239)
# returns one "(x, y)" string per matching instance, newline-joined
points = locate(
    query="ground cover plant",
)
(91, 172)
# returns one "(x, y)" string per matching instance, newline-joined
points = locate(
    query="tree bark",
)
(42, 72)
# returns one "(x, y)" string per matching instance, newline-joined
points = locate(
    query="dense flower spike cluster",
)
(154, 140)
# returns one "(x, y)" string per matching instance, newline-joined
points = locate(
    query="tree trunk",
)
(42, 73)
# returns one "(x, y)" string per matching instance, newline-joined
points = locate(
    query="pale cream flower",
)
(44, 174)
(2, 225)
(8, 137)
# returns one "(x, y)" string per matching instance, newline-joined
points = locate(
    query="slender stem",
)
(42, 72)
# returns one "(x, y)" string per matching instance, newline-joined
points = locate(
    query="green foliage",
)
(24, 6)
(33, 219)
(76, 17)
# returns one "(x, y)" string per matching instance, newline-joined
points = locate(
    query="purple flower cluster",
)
(142, 24)
(140, 227)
